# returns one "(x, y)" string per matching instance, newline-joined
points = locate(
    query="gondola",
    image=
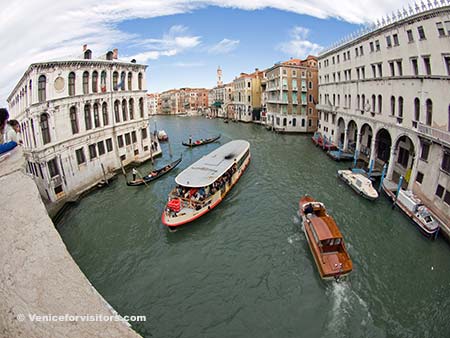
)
(157, 174)
(201, 142)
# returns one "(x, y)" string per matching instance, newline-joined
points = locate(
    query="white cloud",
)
(33, 31)
(299, 46)
(223, 47)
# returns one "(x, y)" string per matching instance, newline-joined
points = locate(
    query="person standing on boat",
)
(134, 171)
(190, 139)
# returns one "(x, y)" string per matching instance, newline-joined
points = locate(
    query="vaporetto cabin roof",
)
(210, 167)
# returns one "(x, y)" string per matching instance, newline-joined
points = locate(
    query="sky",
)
(182, 41)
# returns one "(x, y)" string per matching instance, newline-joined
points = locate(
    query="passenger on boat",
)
(153, 173)
(309, 209)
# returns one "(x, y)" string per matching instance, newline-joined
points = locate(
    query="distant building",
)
(184, 101)
(386, 94)
(291, 95)
(80, 119)
(247, 91)
(154, 103)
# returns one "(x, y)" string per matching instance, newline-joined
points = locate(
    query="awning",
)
(217, 104)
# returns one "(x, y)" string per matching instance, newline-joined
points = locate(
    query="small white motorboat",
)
(360, 183)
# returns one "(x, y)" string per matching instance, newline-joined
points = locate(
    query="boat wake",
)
(294, 238)
(348, 311)
(296, 219)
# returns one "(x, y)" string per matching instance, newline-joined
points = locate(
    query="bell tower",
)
(219, 76)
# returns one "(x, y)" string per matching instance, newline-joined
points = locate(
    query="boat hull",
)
(423, 230)
(173, 223)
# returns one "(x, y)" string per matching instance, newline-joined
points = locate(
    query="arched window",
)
(373, 103)
(86, 83)
(122, 81)
(380, 103)
(94, 81)
(131, 109)
(358, 102)
(417, 109)
(141, 107)
(140, 81)
(87, 116)
(349, 101)
(45, 129)
(363, 102)
(303, 122)
(115, 79)
(42, 82)
(392, 105)
(429, 116)
(294, 122)
(71, 84)
(74, 120)
(117, 110)
(103, 82)
(130, 81)
(400, 106)
(124, 110)
(284, 122)
(105, 114)
(96, 116)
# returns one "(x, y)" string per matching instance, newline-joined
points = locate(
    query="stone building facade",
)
(247, 92)
(386, 94)
(291, 95)
(81, 120)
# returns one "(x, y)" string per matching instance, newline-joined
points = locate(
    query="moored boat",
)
(204, 184)
(200, 142)
(339, 155)
(324, 239)
(413, 207)
(155, 174)
(359, 183)
(162, 135)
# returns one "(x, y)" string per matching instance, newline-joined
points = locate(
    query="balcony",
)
(433, 133)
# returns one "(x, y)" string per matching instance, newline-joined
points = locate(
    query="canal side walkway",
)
(38, 277)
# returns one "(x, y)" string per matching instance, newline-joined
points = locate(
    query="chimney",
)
(115, 53)
(84, 47)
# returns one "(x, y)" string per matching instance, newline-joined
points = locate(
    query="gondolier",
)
(134, 171)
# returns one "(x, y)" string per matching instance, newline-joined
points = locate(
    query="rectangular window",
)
(427, 64)
(447, 27)
(52, 168)
(371, 47)
(380, 70)
(410, 35)
(447, 64)
(133, 136)
(392, 68)
(80, 156)
(440, 28)
(415, 67)
(109, 145)
(395, 38)
(374, 71)
(425, 151)
(361, 50)
(120, 141)
(419, 178)
(144, 133)
(127, 139)
(439, 191)
(92, 151)
(356, 52)
(388, 41)
(399, 68)
(447, 197)
(421, 33)
(445, 165)
(101, 148)
(136, 152)
(377, 45)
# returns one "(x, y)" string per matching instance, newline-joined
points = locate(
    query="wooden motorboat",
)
(204, 184)
(200, 142)
(413, 207)
(162, 135)
(324, 239)
(360, 183)
(155, 174)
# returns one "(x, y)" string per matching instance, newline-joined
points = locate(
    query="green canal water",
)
(245, 269)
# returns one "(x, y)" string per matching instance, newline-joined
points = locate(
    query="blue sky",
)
(182, 41)
(259, 34)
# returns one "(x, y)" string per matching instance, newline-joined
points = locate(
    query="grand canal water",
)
(245, 269)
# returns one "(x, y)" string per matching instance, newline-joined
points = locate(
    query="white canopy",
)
(210, 167)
